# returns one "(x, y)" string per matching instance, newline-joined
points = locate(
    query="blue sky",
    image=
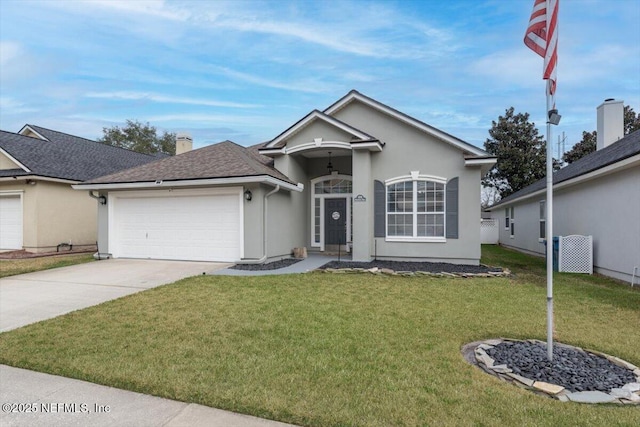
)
(245, 71)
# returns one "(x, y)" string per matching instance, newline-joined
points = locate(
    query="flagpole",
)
(549, 231)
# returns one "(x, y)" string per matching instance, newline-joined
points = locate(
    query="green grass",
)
(339, 349)
(11, 267)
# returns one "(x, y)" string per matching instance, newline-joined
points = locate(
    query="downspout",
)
(265, 211)
(93, 196)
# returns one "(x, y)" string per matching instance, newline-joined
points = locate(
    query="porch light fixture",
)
(554, 117)
(102, 200)
(330, 165)
(247, 195)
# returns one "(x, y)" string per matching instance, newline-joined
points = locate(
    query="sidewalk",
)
(74, 402)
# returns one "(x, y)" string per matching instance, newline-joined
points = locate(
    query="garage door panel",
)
(205, 228)
(10, 222)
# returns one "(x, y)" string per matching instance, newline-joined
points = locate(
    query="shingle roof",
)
(223, 160)
(619, 150)
(66, 156)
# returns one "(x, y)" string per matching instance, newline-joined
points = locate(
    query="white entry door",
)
(10, 222)
(188, 227)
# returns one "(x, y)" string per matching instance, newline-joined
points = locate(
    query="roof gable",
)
(355, 96)
(316, 115)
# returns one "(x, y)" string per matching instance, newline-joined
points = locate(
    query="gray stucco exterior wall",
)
(606, 208)
(362, 211)
(408, 149)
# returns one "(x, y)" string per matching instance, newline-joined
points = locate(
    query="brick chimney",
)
(610, 123)
(184, 142)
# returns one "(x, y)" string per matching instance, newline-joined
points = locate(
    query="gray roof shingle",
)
(619, 150)
(223, 160)
(66, 156)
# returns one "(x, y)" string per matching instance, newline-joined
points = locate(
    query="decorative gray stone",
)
(485, 346)
(591, 397)
(563, 398)
(493, 342)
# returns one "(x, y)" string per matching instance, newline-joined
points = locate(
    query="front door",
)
(335, 221)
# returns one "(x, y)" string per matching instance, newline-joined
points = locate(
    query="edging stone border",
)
(387, 271)
(629, 394)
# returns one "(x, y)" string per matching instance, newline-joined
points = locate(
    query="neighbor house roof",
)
(63, 156)
(223, 160)
(618, 151)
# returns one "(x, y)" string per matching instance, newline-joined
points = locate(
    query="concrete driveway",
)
(32, 297)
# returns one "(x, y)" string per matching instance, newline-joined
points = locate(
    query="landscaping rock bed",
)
(578, 375)
(274, 265)
(414, 268)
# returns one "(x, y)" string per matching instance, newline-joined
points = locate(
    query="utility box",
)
(555, 248)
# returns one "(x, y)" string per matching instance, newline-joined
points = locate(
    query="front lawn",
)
(339, 349)
(11, 267)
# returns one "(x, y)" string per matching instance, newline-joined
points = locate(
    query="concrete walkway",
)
(58, 401)
(308, 264)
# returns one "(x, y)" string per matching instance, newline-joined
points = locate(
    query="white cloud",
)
(311, 85)
(148, 8)
(11, 106)
(144, 96)
(9, 51)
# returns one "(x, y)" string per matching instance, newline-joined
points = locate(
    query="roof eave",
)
(611, 168)
(148, 185)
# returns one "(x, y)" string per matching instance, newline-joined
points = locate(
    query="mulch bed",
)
(430, 267)
(275, 265)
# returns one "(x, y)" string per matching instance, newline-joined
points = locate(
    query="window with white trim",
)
(543, 220)
(416, 209)
(512, 220)
(506, 218)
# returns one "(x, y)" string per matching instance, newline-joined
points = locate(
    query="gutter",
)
(148, 185)
(265, 212)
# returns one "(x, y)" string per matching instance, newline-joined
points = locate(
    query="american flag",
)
(542, 38)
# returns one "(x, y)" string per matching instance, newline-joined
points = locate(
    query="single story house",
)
(358, 176)
(598, 195)
(38, 208)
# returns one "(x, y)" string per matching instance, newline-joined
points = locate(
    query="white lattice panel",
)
(575, 254)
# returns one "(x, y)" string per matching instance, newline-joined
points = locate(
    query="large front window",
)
(415, 209)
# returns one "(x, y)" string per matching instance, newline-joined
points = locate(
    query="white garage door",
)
(198, 228)
(10, 222)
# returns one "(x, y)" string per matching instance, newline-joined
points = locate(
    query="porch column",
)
(362, 205)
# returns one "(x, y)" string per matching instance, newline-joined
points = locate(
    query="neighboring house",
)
(358, 176)
(598, 195)
(38, 208)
